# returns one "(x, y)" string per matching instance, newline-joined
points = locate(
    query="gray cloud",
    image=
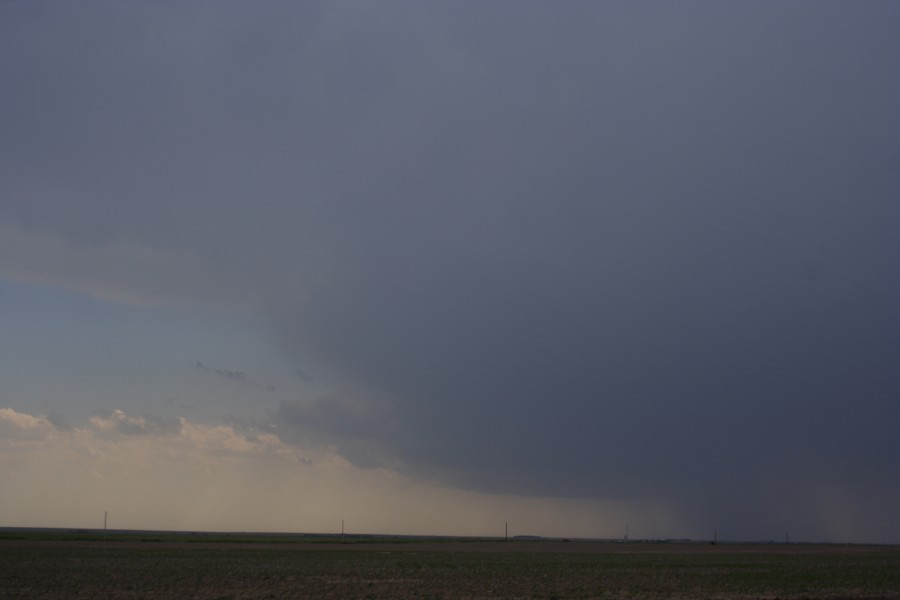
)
(238, 377)
(303, 375)
(184, 406)
(600, 250)
(60, 422)
(362, 430)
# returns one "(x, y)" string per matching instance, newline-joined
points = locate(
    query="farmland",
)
(207, 567)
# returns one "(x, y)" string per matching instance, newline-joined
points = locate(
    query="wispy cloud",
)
(238, 377)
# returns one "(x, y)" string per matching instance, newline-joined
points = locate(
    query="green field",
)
(204, 568)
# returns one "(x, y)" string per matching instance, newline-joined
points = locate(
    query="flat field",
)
(159, 568)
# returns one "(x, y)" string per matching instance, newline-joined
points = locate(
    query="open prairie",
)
(162, 568)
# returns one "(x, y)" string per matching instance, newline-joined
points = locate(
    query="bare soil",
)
(441, 569)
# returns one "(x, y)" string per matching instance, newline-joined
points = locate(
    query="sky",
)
(433, 267)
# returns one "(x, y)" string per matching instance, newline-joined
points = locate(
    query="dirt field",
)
(539, 569)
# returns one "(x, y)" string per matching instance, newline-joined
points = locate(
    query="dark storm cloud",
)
(362, 428)
(588, 249)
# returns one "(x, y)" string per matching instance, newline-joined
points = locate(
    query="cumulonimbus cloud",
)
(630, 260)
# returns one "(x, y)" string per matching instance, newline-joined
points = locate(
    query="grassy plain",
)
(199, 567)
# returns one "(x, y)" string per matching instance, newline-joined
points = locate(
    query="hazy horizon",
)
(317, 536)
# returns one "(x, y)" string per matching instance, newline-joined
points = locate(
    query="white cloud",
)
(16, 426)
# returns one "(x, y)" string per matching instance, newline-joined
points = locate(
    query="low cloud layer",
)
(605, 251)
(224, 478)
